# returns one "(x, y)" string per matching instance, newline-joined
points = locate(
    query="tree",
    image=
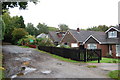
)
(18, 33)
(18, 22)
(8, 27)
(22, 5)
(52, 29)
(2, 28)
(99, 28)
(63, 27)
(31, 29)
(42, 28)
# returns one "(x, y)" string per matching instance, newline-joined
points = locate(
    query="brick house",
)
(108, 42)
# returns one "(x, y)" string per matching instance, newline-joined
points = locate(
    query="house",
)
(42, 35)
(56, 36)
(108, 42)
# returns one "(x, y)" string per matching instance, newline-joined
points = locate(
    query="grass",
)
(1, 68)
(24, 46)
(115, 74)
(92, 66)
(60, 58)
(106, 60)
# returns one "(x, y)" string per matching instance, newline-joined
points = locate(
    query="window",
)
(74, 45)
(117, 50)
(92, 46)
(112, 34)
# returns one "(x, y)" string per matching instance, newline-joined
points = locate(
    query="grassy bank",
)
(104, 60)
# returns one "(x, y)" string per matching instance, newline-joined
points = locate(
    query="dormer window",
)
(112, 34)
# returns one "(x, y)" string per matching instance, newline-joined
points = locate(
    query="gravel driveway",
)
(43, 65)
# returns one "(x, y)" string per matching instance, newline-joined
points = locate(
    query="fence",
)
(74, 54)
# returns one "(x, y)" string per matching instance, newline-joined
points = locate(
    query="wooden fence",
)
(74, 54)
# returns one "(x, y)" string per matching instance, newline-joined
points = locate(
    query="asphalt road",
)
(45, 66)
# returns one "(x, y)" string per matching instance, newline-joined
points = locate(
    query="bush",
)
(44, 42)
(18, 33)
(64, 46)
(26, 40)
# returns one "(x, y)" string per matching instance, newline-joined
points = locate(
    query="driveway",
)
(30, 63)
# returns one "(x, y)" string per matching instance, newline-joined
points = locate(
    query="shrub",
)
(26, 40)
(18, 33)
(44, 42)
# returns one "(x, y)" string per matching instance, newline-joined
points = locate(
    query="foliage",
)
(115, 74)
(52, 29)
(64, 46)
(63, 27)
(92, 66)
(18, 33)
(44, 42)
(22, 5)
(9, 28)
(26, 40)
(42, 28)
(18, 22)
(31, 29)
(10, 24)
(2, 28)
(99, 28)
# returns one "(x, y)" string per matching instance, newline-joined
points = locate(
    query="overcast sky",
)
(74, 13)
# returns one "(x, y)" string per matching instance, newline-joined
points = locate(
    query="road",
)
(44, 65)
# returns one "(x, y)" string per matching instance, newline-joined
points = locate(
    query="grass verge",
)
(115, 74)
(92, 66)
(1, 68)
(106, 60)
(58, 57)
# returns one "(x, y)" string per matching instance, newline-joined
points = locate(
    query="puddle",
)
(28, 70)
(25, 71)
(28, 51)
(46, 72)
(23, 59)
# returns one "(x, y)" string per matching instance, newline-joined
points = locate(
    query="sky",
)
(74, 13)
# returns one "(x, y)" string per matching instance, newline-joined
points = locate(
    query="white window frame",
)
(112, 34)
(91, 46)
(117, 50)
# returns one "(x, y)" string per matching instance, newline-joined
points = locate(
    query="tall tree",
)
(18, 22)
(9, 27)
(31, 29)
(63, 27)
(42, 28)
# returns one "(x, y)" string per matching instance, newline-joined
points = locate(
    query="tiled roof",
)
(54, 36)
(100, 36)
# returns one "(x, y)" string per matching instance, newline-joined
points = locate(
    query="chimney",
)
(78, 30)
